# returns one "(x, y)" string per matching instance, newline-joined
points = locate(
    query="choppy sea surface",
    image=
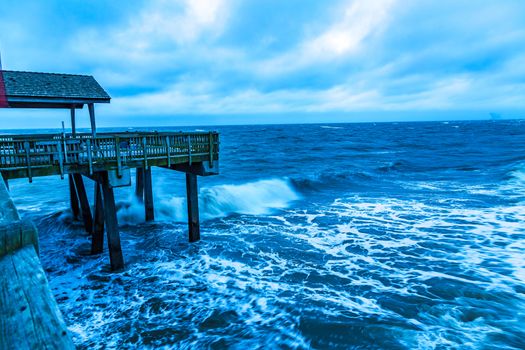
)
(347, 236)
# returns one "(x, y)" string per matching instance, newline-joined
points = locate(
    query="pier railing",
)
(46, 154)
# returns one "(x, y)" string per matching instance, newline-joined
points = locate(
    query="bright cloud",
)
(180, 22)
(360, 19)
(222, 57)
(356, 21)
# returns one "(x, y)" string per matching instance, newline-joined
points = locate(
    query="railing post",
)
(28, 161)
(189, 149)
(168, 147)
(60, 159)
(117, 154)
(144, 144)
(210, 136)
(89, 156)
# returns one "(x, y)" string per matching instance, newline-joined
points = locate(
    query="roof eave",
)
(21, 100)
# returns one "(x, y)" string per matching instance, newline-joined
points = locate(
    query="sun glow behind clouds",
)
(161, 57)
(360, 19)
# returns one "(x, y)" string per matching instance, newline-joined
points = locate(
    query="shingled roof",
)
(31, 89)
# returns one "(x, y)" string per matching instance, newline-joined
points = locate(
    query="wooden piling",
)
(193, 207)
(110, 214)
(139, 185)
(91, 109)
(84, 203)
(148, 195)
(97, 240)
(73, 198)
(73, 124)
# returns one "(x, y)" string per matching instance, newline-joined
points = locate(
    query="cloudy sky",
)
(199, 62)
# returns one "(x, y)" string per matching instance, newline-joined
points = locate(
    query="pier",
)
(30, 315)
(103, 159)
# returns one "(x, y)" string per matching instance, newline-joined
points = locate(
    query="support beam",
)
(148, 195)
(73, 122)
(75, 208)
(192, 197)
(198, 168)
(110, 214)
(139, 184)
(97, 241)
(84, 203)
(91, 108)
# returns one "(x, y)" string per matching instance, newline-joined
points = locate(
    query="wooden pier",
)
(106, 159)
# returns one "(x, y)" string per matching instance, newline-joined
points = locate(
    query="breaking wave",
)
(252, 198)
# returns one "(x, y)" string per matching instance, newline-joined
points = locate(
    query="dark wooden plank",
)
(28, 234)
(97, 241)
(8, 211)
(139, 184)
(148, 195)
(16, 324)
(29, 315)
(73, 198)
(14, 232)
(49, 327)
(192, 197)
(110, 215)
(84, 203)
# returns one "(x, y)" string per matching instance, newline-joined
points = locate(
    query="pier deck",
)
(28, 156)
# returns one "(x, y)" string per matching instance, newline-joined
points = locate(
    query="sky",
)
(198, 62)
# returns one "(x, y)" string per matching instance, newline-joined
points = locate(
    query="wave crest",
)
(253, 198)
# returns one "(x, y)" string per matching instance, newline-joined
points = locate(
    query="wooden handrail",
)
(33, 151)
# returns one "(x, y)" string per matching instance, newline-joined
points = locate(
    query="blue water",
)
(348, 236)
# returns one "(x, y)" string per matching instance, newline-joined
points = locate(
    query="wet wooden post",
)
(193, 207)
(73, 123)
(97, 241)
(139, 185)
(148, 195)
(84, 203)
(110, 214)
(91, 109)
(73, 198)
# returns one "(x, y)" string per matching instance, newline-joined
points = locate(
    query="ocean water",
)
(347, 236)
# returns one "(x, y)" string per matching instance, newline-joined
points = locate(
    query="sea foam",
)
(253, 198)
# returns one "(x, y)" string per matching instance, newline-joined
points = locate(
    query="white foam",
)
(254, 198)
(331, 127)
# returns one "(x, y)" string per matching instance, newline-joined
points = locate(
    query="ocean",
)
(334, 236)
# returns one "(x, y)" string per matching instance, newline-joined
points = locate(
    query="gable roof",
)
(51, 90)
